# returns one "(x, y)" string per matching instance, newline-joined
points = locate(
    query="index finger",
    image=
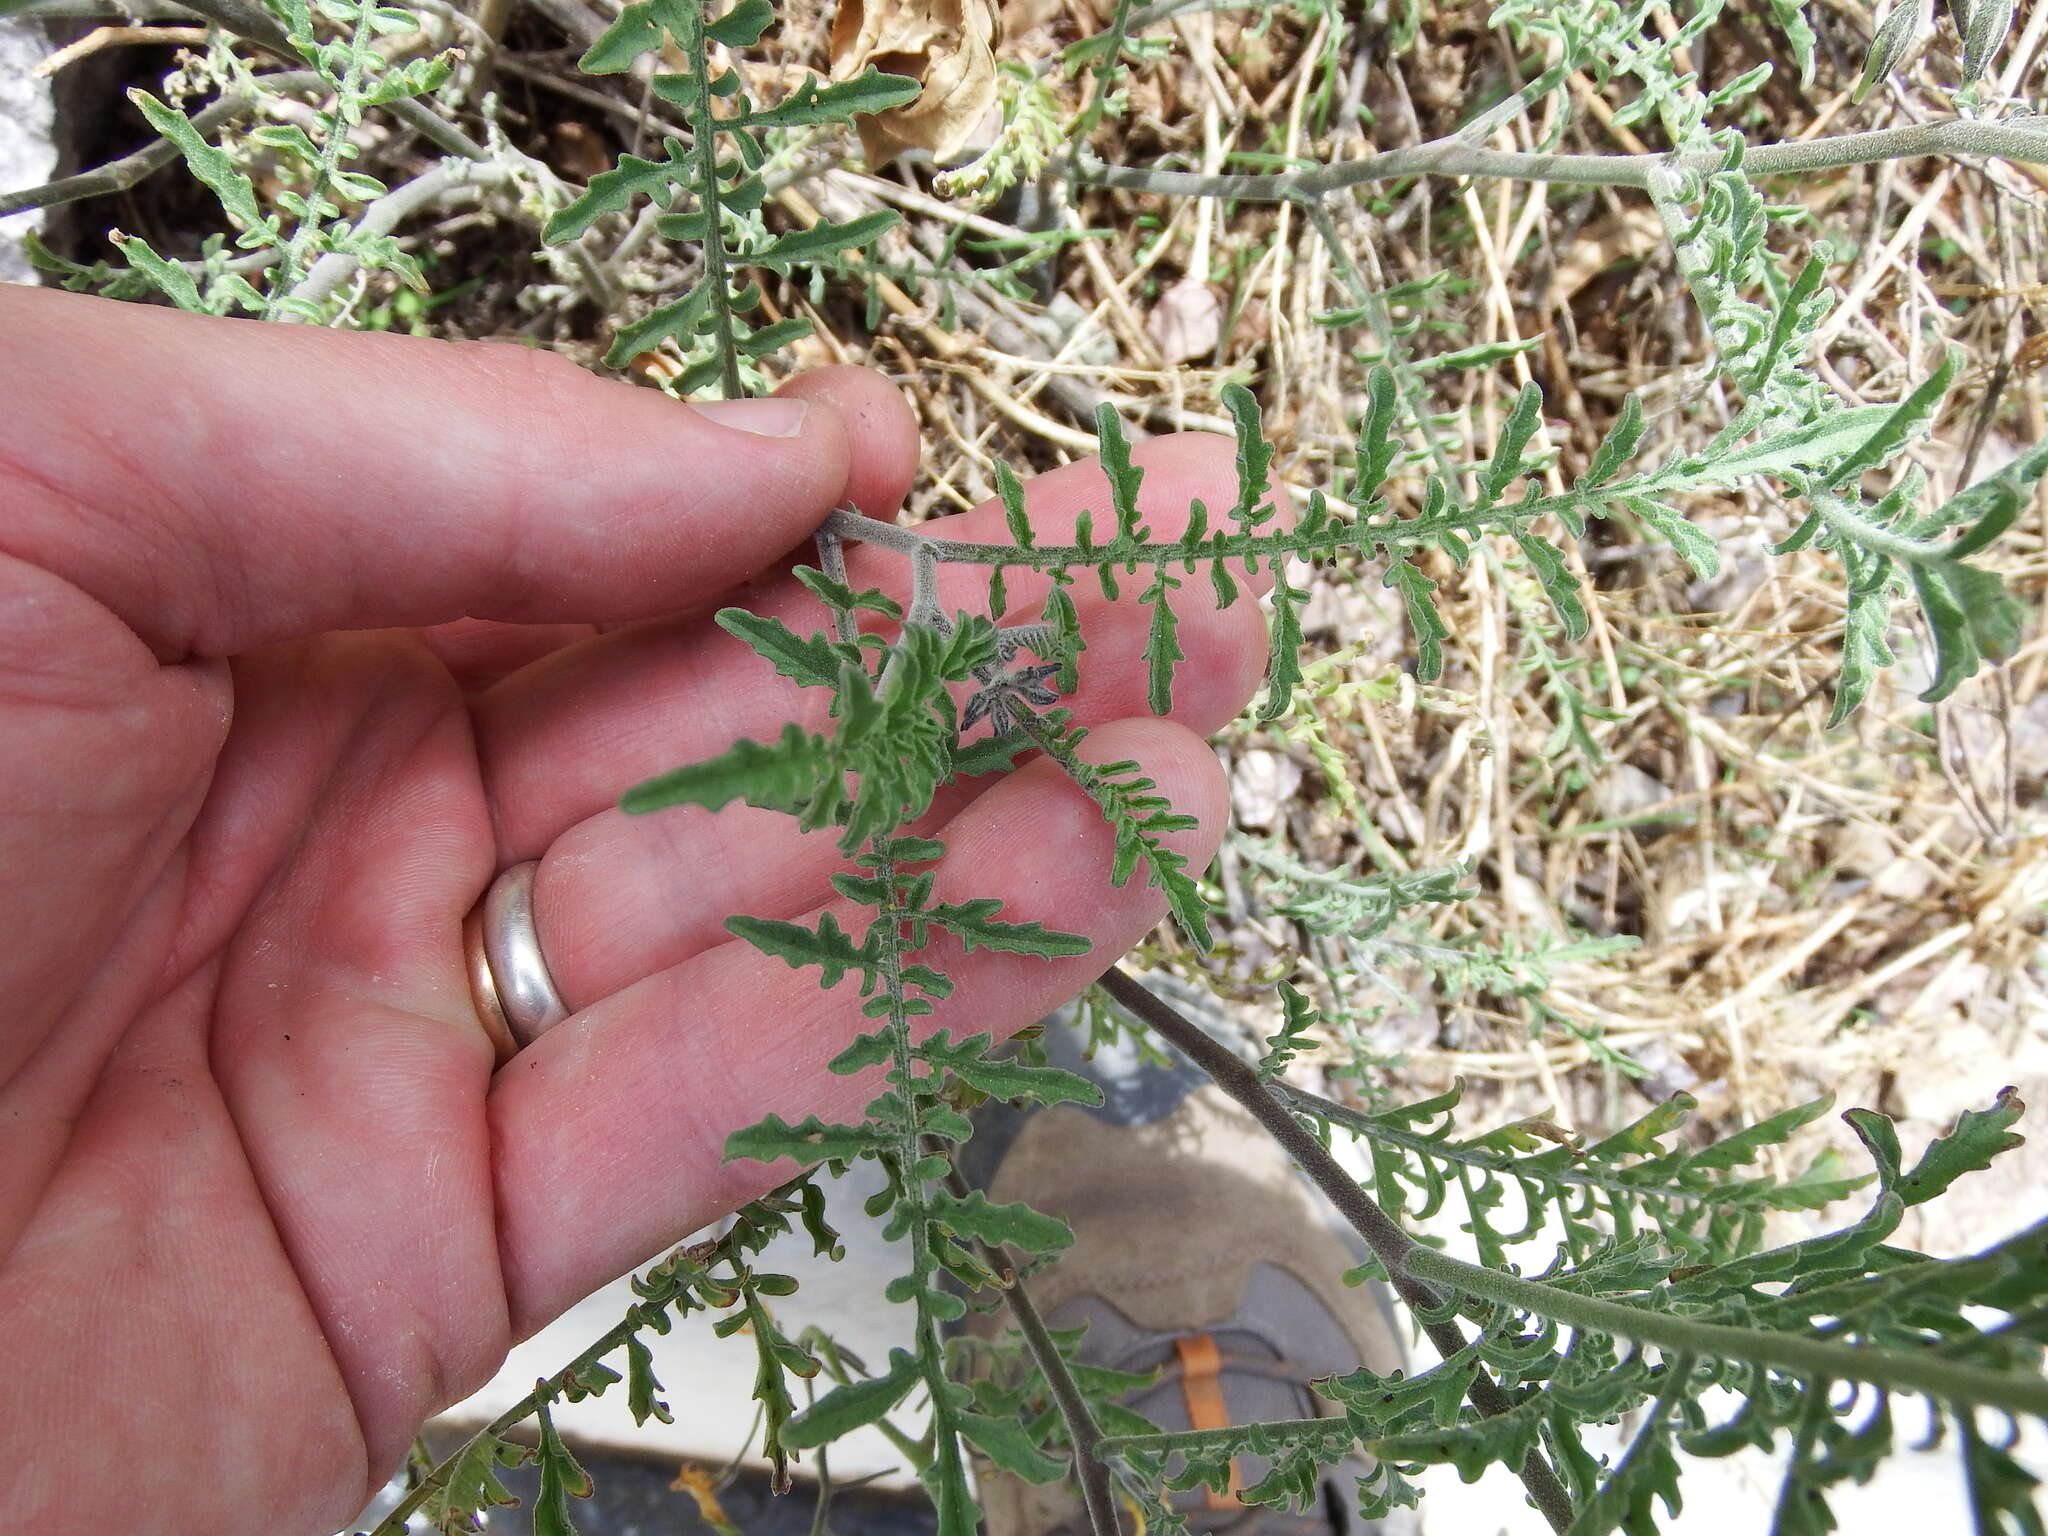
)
(221, 484)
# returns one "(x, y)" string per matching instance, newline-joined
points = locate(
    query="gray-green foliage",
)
(1661, 1286)
(1623, 1276)
(1661, 1277)
(261, 267)
(1886, 540)
(712, 187)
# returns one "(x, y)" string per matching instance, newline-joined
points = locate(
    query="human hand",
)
(302, 637)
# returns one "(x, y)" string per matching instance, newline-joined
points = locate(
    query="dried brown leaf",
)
(947, 46)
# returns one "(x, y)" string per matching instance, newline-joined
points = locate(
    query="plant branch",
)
(1453, 156)
(446, 179)
(1227, 1438)
(397, 1523)
(704, 134)
(130, 170)
(1081, 1426)
(1393, 1247)
(1947, 1380)
(1082, 1430)
(1581, 1176)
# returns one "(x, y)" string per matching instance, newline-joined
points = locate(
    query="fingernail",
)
(763, 418)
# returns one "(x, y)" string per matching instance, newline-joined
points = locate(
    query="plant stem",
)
(1455, 157)
(1582, 1176)
(704, 145)
(130, 170)
(385, 214)
(1389, 1244)
(1946, 1380)
(291, 265)
(1082, 1429)
(396, 1523)
(1225, 1438)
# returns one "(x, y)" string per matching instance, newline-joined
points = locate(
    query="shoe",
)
(1199, 1252)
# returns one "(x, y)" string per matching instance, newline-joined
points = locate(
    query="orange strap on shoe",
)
(1201, 1384)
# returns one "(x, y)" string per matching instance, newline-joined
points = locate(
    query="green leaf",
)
(1293, 1035)
(853, 1405)
(1791, 317)
(1743, 1146)
(1985, 509)
(1184, 899)
(1430, 633)
(810, 1140)
(1283, 660)
(1015, 1080)
(1162, 646)
(822, 244)
(1014, 513)
(1864, 649)
(1557, 581)
(828, 946)
(810, 103)
(990, 754)
(2000, 1489)
(775, 777)
(1486, 354)
(614, 191)
(977, 1217)
(1979, 1136)
(811, 661)
(1790, 16)
(677, 321)
(1620, 443)
(1693, 546)
(1901, 424)
(1113, 447)
(867, 1051)
(973, 922)
(773, 338)
(641, 1385)
(837, 594)
(472, 1484)
(1379, 435)
(1984, 25)
(1254, 457)
(213, 167)
(742, 26)
(1972, 617)
(1006, 1443)
(634, 33)
(170, 277)
(1815, 445)
(1066, 626)
(562, 1478)
(1506, 466)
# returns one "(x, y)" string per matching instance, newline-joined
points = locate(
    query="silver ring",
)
(515, 995)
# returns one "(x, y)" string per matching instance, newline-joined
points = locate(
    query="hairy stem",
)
(1082, 1430)
(291, 266)
(1456, 157)
(1949, 1381)
(1227, 1438)
(717, 268)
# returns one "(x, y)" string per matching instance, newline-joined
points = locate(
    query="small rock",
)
(28, 151)
(1624, 791)
(1261, 785)
(1863, 851)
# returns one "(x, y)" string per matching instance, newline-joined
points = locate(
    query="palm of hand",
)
(263, 1203)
